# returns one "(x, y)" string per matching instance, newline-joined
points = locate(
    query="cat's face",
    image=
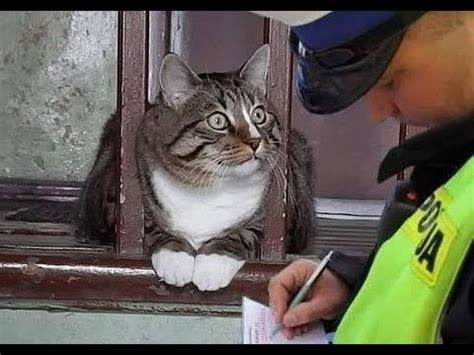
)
(227, 127)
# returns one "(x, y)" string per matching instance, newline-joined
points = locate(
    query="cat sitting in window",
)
(206, 152)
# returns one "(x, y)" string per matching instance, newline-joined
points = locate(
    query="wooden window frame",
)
(133, 99)
(104, 278)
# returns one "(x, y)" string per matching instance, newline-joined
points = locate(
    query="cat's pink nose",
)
(254, 143)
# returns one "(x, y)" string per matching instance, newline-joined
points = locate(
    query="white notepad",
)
(257, 324)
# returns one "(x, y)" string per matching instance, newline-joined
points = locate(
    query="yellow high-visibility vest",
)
(407, 288)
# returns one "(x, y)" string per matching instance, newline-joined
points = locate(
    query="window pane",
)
(348, 148)
(213, 41)
(58, 86)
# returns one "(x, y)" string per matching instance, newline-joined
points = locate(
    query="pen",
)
(306, 287)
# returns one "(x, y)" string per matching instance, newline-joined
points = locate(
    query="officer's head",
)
(430, 79)
(417, 67)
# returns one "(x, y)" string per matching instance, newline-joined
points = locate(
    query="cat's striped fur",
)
(206, 152)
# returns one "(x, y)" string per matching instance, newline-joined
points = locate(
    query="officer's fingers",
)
(278, 298)
(297, 331)
(305, 328)
(290, 333)
(286, 283)
(307, 312)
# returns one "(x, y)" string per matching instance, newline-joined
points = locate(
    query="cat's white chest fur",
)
(198, 214)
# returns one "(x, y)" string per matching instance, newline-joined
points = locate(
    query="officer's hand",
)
(325, 300)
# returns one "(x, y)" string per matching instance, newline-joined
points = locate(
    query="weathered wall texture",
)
(58, 80)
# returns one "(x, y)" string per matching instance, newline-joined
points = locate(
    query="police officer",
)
(416, 67)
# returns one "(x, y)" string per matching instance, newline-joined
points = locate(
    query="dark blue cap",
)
(341, 56)
(339, 27)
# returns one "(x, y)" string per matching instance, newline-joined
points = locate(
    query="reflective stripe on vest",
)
(408, 285)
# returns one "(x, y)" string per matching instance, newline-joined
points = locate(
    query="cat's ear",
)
(178, 82)
(255, 70)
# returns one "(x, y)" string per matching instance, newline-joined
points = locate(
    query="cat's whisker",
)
(204, 163)
(203, 176)
(279, 174)
(216, 175)
(217, 163)
(210, 170)
(196, 167)
(277, 177)
(201, 164)
(191, 164)
(278, 153)
(289, 192)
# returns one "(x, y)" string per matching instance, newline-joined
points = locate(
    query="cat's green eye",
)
(218, 121)
(259, 116)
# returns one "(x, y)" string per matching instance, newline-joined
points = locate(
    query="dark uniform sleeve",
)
(352, 270)
(349, 268)
(457, 323)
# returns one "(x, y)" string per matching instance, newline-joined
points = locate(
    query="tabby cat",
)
(206, 152)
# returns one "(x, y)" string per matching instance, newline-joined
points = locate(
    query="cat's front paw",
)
(175, 268)
(214, 271)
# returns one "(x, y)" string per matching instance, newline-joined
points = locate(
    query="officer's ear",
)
(255, 70)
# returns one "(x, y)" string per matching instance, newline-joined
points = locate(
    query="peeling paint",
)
(160, 290)
(33, 269)
(72, 279)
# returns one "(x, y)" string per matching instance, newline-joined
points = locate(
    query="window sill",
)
(105, 282)
(44, 264)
